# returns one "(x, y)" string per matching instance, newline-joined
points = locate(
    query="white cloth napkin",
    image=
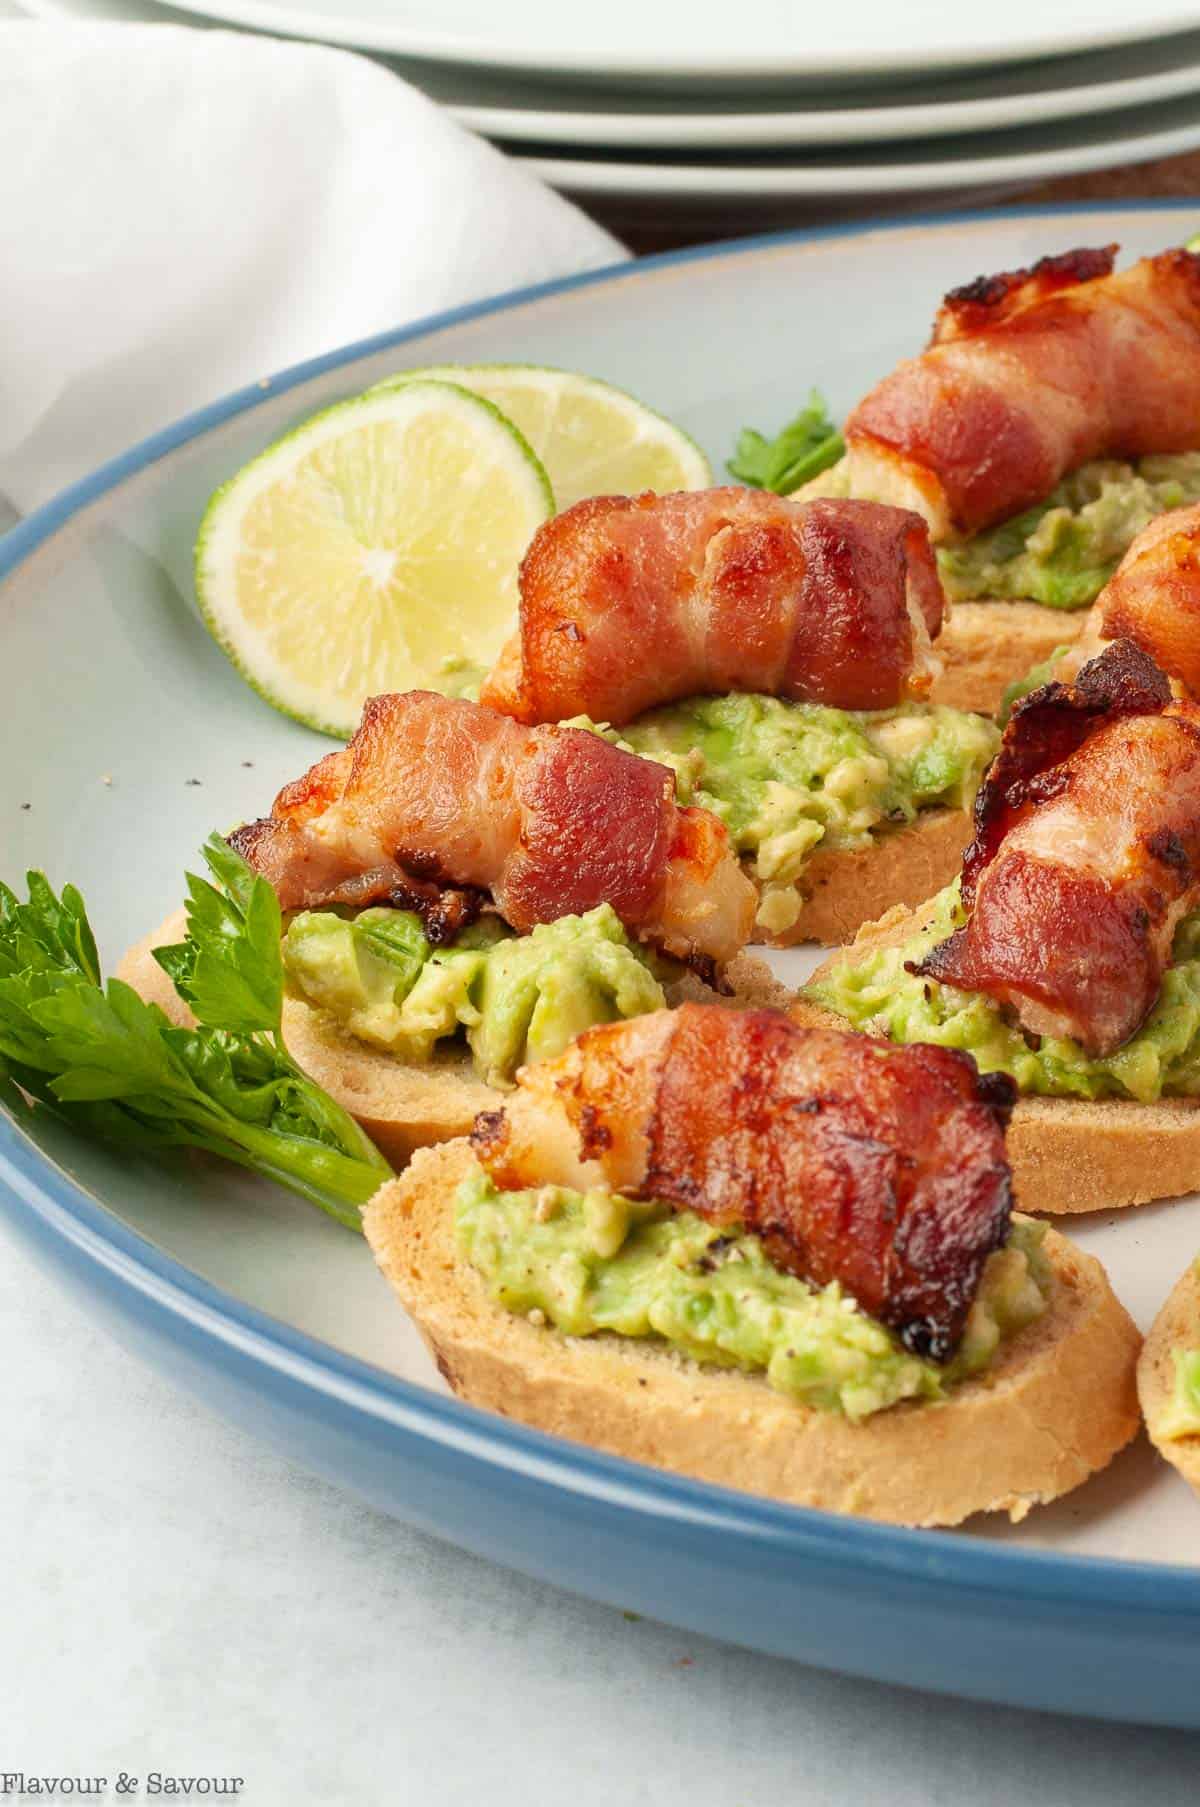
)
(183, 212)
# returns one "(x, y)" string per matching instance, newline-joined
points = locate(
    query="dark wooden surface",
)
(648, 227)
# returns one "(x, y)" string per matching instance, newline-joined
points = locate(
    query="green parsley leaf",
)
(808, 445)
(48, 931)
(113, 1066)
(230, 968)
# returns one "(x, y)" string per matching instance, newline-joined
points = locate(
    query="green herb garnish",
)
(804, 448)
(105, 1061)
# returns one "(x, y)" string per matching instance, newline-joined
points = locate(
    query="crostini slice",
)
(804, 1360)
(1168, 1378)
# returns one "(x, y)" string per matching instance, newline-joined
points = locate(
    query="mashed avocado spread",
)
(787, 776)
(595, 1261)
(875, 993)
(1045, 672)
(519, 998)
(1063, 552)
(1182, 1417)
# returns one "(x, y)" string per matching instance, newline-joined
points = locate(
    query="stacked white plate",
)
(770, 104)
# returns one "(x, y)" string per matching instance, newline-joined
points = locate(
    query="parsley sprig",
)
(114, 1066)
(808, 445)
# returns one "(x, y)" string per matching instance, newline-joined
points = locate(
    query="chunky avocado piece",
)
(518, 998)
(596, 1261)
(378, 976)
(875, 993)
(1182, 1416)
(539, 991)
(360, 969)
(1063, 552)
(787, 777)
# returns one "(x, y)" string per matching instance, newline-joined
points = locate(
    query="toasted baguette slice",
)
(843, 889)
(401, 1106)
(1178, 1323)
(1067, 1154)
(986, 646)
(1056, 1406)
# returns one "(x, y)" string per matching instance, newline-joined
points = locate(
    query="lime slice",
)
(374, 548)
(594, 440)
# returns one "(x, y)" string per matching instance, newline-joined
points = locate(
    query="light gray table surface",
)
(176, 1599)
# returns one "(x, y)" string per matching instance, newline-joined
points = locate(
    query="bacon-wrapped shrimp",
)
(440, 806)
(1027, 376)
(877, 1166)
(1153, 599)
(1086, 854)
(629, 602)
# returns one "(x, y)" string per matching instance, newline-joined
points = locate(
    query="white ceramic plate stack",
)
(774, 107)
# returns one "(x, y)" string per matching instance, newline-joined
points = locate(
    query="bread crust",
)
(401, 1106)
(843, 889)
(1177, 1323)
(1068, 1155)
(986, 646)
(1055, 1407)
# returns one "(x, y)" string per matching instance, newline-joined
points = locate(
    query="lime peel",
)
(592, 438)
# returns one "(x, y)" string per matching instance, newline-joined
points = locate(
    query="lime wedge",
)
(594, 440)
(374, 548)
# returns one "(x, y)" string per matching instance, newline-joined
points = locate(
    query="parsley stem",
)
(338, 1184)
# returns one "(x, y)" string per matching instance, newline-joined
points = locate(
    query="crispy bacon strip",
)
(878, 1166)
(438, 806)
(1086, 854)
(1029, 375)
(628, 602)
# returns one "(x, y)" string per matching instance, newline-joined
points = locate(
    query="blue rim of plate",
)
(948, 1558)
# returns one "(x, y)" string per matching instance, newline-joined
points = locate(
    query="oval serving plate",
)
(128, 738)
